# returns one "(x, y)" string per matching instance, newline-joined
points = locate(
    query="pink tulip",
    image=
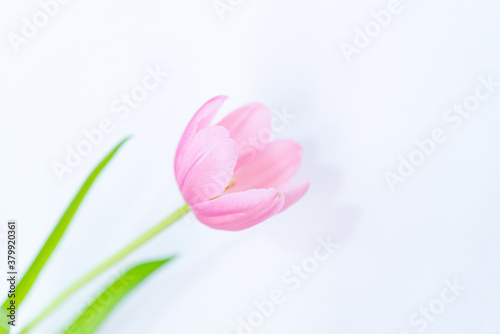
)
(230, 174)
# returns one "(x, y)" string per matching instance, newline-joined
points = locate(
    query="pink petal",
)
(206, 167)
(238, 211)
(293, 193)
(250, 126)
(200, 120)
(271, 167)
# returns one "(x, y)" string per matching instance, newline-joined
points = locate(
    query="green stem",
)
(108, 263)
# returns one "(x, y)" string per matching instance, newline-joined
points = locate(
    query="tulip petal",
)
(238, 211)
(250, 126)
(206, 168)
(200, 120)
(271, 167)
(293, 193)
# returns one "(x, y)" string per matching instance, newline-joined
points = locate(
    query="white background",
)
(353, 120)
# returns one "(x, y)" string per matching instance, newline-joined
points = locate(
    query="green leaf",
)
(43, 256)
(101, 307)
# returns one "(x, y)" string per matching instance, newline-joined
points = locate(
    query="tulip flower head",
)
(230, 174)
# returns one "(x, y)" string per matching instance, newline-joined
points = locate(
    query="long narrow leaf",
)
(92, 317)
(43, 256)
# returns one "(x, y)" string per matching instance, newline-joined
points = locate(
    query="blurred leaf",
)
(100, 308)
(43, 256)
